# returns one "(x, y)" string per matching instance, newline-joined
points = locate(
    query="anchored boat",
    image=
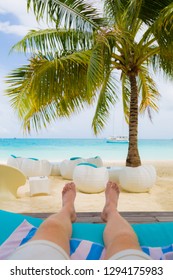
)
(118, 139)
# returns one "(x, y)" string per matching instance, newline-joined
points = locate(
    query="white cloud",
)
(6, 27)
(27, 21)
(18, 8)
(11, 6)
(2, 11)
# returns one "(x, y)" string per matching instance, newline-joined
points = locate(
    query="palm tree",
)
(75, 64)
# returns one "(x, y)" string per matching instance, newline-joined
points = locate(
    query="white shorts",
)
(39, 250)
(130, 254)
(47, 250)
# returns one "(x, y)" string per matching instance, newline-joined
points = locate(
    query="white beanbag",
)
(95, 160)
(15, 161)
(89, 179)
(55, 169)
(67, 167)
(30, 167)
(137, 179)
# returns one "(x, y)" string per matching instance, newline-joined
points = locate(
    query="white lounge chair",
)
(10, 179)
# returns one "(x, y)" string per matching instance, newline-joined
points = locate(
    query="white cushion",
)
(89, 179)
(67, 167)
(137, 179)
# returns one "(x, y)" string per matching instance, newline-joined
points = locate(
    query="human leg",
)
(51, 240)
(58, 227)
(118, 234)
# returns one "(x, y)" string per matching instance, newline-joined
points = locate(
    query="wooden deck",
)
(131, 217)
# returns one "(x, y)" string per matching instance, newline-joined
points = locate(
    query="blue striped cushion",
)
(79, 249)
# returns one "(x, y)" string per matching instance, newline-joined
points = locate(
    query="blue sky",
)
(14, 24)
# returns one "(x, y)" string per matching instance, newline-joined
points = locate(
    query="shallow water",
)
(58, 149)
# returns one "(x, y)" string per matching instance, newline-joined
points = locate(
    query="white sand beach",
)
(160, 197)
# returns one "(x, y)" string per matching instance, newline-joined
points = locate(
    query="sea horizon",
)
(88, 138)
(56, 149)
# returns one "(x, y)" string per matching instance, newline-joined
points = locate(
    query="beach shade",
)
(90, 179)
(137, 179)
(34, 167)
(67, 167)
(10, 179)
(95, 160)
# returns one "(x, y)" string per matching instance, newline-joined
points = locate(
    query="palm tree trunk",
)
(133, 158)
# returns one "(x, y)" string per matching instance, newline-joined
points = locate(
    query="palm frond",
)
(131, 16)
(107, 98)
(72, 14)
(149, 92)
(150, 10)
(113, 10)
(163, 24)
(38, 119)
(163, 32)
(55, 41)
(100, 61)
(144, 52)
(148, 13)
(46, 84)
(126, 91)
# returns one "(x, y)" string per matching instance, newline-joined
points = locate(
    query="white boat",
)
(118, 139)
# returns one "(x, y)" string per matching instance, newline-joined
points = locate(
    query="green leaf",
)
(71, 14)
(55, 41)
(150, 94)
(107, 98)
(59, 83)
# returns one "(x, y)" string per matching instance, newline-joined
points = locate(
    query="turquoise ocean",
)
(59, 149)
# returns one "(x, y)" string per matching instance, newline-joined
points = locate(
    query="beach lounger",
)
(10, 179)
(156, 239)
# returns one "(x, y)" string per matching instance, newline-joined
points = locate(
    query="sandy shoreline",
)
(160, 197)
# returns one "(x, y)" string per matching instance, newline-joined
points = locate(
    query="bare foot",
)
(68, 198)
(111, 196)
